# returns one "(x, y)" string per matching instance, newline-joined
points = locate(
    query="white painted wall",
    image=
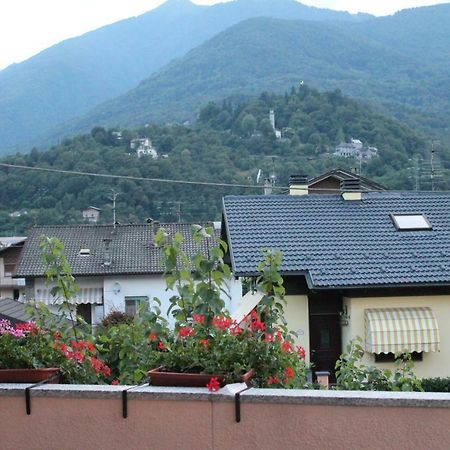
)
(116, 288)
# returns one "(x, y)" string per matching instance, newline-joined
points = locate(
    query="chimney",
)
(298, 185)
(107, 252)
(351, 189)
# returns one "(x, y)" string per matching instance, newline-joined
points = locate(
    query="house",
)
(116, 267)
(330, 183)
(10, 248)
(355, 149)
(144, 146)
(91, 214)
(369, 264)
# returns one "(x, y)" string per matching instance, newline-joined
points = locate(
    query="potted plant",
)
(23, 357)
(30, 353)
(208, 348)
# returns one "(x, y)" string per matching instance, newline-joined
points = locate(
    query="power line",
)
(166, 180)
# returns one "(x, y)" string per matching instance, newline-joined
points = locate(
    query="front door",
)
(325, 333)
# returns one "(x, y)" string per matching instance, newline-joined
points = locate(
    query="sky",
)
(29, 26)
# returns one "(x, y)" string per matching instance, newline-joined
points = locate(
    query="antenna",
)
(258, 177)
(432, 169)
(113, 197)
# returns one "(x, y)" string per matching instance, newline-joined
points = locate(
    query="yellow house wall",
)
(434, 364)
(297, 317)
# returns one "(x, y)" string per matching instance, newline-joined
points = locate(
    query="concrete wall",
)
(90, 417)
(297, 316)
(434, 364)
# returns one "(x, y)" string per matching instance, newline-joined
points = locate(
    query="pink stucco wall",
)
(186, 423)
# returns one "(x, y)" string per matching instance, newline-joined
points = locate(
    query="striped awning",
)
(393, 330)
(93, 295)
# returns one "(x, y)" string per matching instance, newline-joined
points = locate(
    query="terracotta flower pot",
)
(159, 377)
(28, 375)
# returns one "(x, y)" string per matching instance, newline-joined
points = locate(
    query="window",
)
(132, 304)
(390, 357)
(85, 252)
(411, 222)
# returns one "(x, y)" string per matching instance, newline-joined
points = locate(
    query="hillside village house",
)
(10, 248)
(374, 265)
(117, 268)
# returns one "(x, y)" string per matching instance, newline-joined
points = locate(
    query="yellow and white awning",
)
(393, 330)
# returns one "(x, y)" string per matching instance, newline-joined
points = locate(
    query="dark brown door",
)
(325, 342)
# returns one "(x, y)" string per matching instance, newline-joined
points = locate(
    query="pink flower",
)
(268, 337)
(213, 384)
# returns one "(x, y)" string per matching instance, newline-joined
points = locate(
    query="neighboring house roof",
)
(339, 243)
(6, 242)
(341, 174)
(13, 310)
(132, 248)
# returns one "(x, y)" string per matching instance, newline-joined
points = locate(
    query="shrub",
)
(436, 384)
(117, 318)
(352, 375)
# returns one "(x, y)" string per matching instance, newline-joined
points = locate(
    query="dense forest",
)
(229, 143)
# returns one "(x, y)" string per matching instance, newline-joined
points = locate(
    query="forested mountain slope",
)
(229, 144)
(70, 78)
(274, 54)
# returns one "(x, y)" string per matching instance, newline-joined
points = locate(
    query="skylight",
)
(85, 252)
(411, 222)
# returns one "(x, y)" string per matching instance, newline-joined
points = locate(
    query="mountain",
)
(70, 78)
(273, 54)
(228, 144)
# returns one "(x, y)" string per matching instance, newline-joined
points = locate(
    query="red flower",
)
(199, 318)
(204, 342)
(57, 336)
(213, 384)
(96, 364)
(289, 374)
(106, 370)
(279, 336)
(301, 352)
(161, 345)
(186, 332)
(273, 380)
(287, 346)
(90, 346)
(268, 337)
(115, 382)
(63, 348)
(153, 336)
(222, 323)
(236, 330)
(79, 356)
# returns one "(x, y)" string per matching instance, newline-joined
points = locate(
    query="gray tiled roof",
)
(132, 248)
(13, 310)
(339, 243)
